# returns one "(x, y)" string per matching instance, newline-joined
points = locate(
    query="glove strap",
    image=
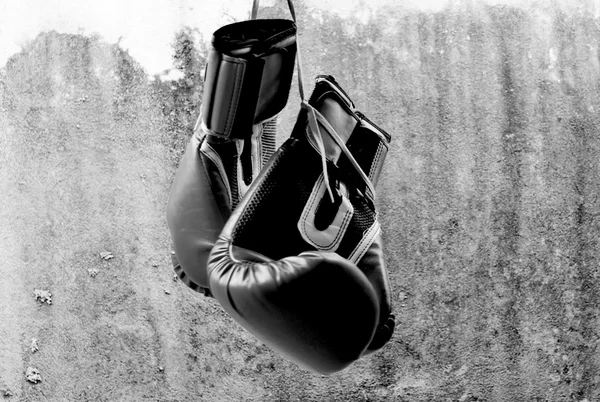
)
(248, 76)
(314, 129)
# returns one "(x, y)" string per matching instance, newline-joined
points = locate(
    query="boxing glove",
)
(299, 263)
(247, 83)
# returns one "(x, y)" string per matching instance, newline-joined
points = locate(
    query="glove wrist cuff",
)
(248, 76)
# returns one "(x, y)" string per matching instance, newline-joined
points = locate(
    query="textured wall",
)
(489, 206)
(489, 200)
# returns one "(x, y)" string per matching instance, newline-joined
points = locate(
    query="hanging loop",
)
(254, 12)
(314, 117)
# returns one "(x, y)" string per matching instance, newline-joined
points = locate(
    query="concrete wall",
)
(489, 207)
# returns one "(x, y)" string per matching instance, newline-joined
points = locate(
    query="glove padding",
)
(248, 77)
(303, 271)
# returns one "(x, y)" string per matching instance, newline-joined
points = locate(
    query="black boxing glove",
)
(299, 263)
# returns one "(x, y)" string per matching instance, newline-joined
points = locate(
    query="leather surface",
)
(317, 308)
(343, 123)
(205, 190)
(373, 266)
(194, 217)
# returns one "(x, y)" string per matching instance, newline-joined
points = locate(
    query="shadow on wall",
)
(489, 206)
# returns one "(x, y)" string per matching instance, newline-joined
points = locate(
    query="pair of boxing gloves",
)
(287, 241)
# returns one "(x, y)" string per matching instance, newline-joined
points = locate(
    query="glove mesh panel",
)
(268, 222)
(361, 221)
(268, 140)
(233, 184)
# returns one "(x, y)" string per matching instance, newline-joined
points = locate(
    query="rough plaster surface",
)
(489, 207)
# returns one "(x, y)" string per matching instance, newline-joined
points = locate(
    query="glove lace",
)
(314, 118)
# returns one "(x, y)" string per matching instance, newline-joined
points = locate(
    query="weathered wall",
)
(489, 206)
(489, 200)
